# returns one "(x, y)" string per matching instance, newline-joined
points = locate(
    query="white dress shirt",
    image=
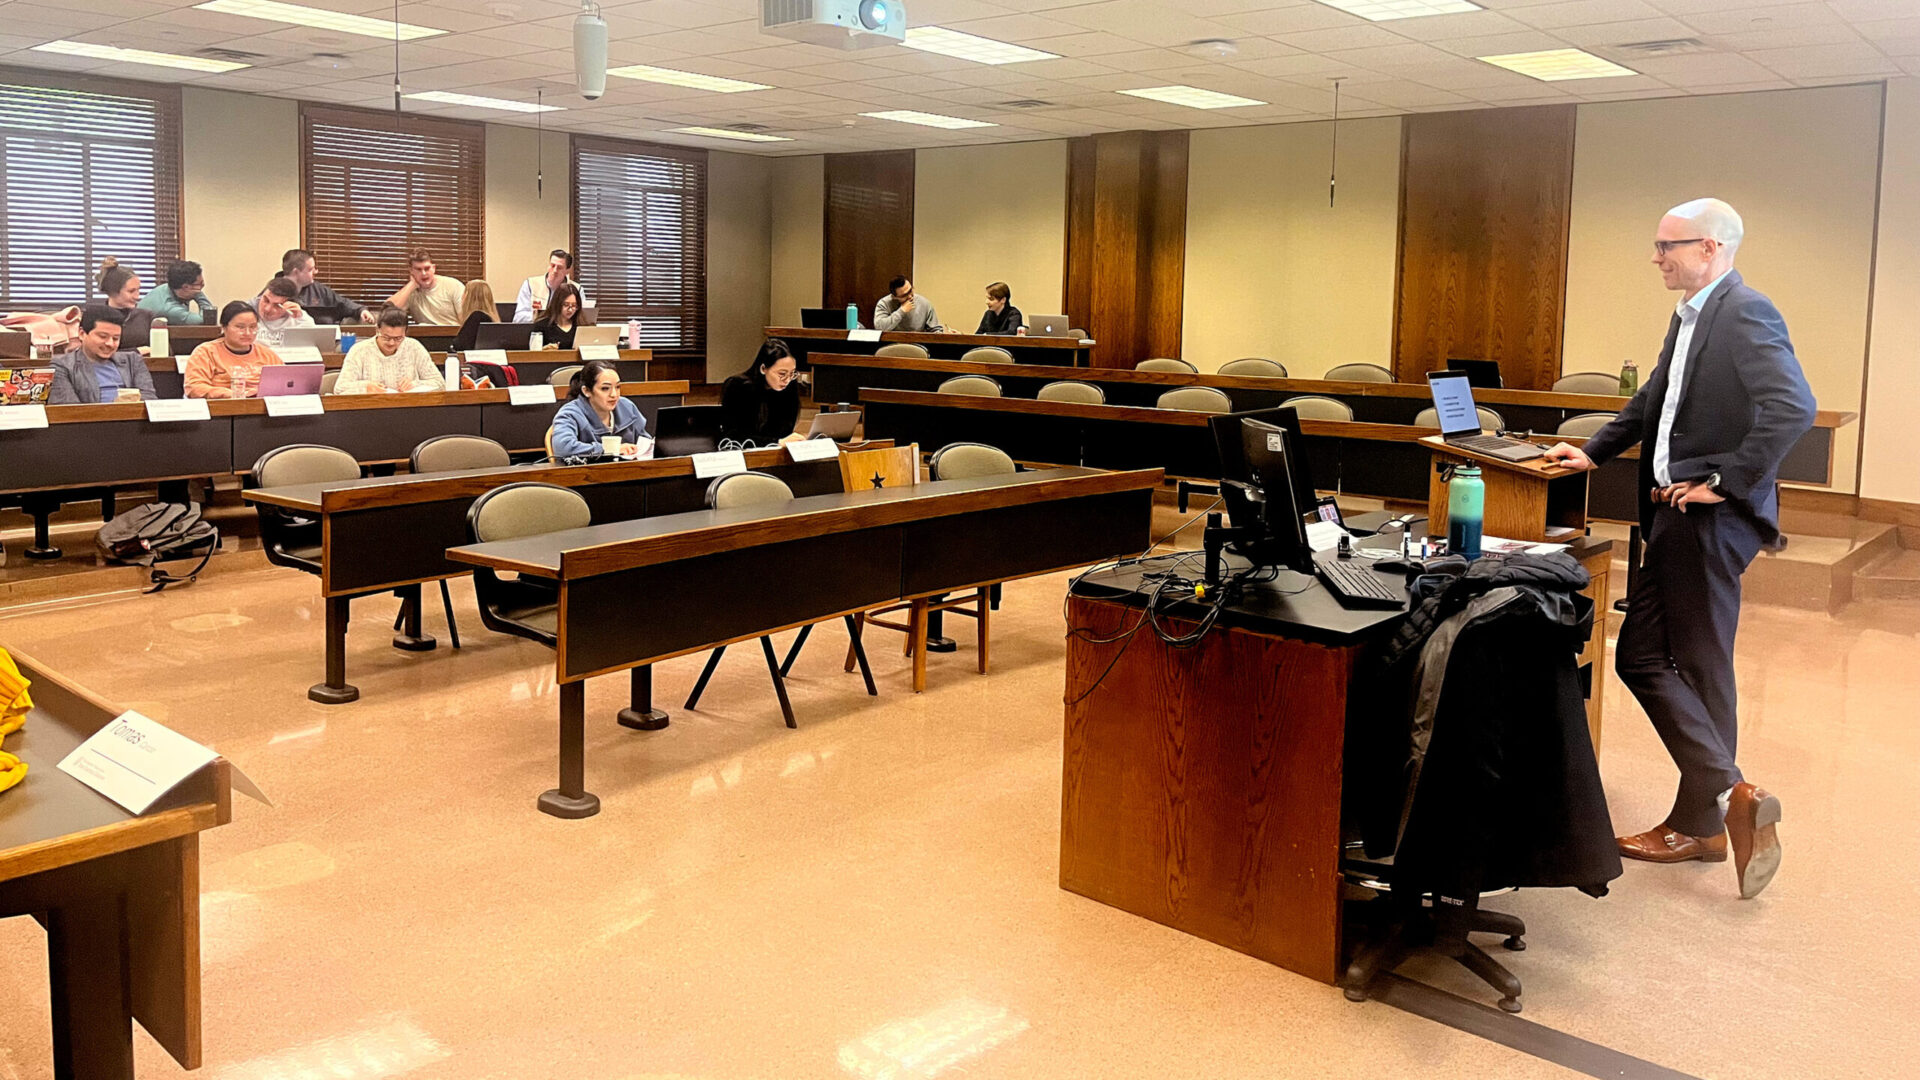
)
(1689, 312)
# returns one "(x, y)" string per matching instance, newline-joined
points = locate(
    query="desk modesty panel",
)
(807, 343)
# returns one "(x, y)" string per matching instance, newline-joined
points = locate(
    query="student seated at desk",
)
(760, 406)
(182, 301)
(392, 363)
(100, 371)
(1001, 317)
(594, 409)
(229, 365)
(476, 307)
(121, 288)
(902, 309)
(561, 318)
(432, 298)
(279, 309)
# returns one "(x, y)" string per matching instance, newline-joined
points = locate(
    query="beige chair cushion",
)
(1254, 367)
(563, 375)
(901, 348)
(1074, 391)
(304, 465)
(529, 510)
(449, 452)
(1588, 382)
(961, 461)
(329, 381)
(1195, 399)
(1585, 424)
(1489, 420)
(977, 385)
(1318, 407)
(987, 354)
(747, 489)
(1162, 363)
(1359, 373)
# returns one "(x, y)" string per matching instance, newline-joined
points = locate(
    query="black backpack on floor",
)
(156, 532)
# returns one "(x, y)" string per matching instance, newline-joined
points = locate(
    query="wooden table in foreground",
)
(636, 592)
(119, 895)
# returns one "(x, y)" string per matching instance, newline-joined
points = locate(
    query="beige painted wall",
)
(1799, 165)
(739, 259)
(525, 221)
(983, 214)
(1892, 414)
(798, 192)
(1273, 271)
(239, 218)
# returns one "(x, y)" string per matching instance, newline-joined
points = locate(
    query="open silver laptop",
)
(1049, 326)
(1460, 420)
(596, 335)
(837, 426)
(324, 338)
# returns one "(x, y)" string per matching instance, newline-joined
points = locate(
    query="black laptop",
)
(1481, 374)
(823, 318)
(504, 335)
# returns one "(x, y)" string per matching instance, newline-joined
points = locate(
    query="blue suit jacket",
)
(1744, 405)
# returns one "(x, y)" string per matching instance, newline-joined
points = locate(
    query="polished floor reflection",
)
(875, 895)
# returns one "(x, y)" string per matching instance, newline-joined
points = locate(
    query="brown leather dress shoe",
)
(1663, 845)
(1752, 814)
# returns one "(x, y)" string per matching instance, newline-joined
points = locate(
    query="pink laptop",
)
(285, 380)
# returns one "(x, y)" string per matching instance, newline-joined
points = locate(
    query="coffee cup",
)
(610, 445)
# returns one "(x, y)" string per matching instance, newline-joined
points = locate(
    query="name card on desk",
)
(22, 417)
(134, 761)
(863, 335)
(487, 356)
(719, 463)
(299, 354)
(180, 364)
(175, 410)
(813, 449)
(294, 405)
(600, 352)
(539, 394)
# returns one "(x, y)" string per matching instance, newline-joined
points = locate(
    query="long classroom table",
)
(381, 534)
(118, 893)
(89, 447)
(1026, 350)
(699, 576)
(170, 381)
(432, 336)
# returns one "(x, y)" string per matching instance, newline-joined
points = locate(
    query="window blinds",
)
(640, 239)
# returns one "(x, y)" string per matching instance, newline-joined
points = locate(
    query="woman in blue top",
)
(595, 409)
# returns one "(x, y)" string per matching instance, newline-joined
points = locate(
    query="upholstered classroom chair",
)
(1489, 420)
(1253, 367)
(976, 385)
(329, 380)
(1164, 363)
(1358, 373)
(1587, 382)
(988, 354)
(761, 489)
(1195, 399)
(902, 348)
(1080, 393)
(525, 607)
(1585, 424)
(563, 375)
(446, 453)
(1318, 407)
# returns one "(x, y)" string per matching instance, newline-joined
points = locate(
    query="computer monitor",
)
(1248, 467)
(823, 318)
(1483, 374)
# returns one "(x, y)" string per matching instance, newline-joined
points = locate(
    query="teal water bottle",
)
(853, 317)
(1466, 505)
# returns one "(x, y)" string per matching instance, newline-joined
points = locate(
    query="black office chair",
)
(758, 488)
(680, 430)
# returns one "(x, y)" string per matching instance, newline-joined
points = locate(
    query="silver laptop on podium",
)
(1049, 326)
(1460, 420)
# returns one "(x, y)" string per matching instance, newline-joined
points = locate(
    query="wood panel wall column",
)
(1485, 207)
(868, 227)
(1127, 242)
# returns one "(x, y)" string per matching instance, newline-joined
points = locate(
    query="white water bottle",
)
(536, 341)
(157, 343)
(452, 374)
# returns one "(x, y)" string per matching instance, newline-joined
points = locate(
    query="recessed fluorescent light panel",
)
(138, 56)
(1559, 65)
(1384, 10)
(474, 100)
(689, 79)
(927, 119)
(729, 133)
(939, 39)
(319, 19)
(1193, 97)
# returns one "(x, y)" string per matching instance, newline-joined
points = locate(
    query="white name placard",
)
(600, 352)
(719, 463)
(134, 760)
(175, 410)
(863, 335)
(530, 395)
(294, 405)
(180, 364)
(22, 417)
(299, 354)
(813, 449)
(487, 356)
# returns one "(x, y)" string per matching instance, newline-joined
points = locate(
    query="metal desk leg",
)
(410, 637)
(572, 799)
(92, 1004)
(335, 690)
(640, 715)
(42, 510)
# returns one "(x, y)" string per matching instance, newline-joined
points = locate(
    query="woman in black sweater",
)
(761, 405)
(1001, 317)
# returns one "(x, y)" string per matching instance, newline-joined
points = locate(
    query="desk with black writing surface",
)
(698, 580)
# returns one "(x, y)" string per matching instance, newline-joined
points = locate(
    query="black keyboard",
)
(1356, 586)
(1499, 446)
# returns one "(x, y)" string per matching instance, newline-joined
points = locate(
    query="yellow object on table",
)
(14, 706)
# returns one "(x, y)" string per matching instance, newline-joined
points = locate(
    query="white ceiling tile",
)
(1392, 57)
(1313, 66)
(1702, 69)
(1825, 60)
(1404, 95)
(678, 13)
(1464, 24)
(1605, 35)
(1016, 28)
(1530, 93)
(948, 12)
(1895, 37)
(1364, 36)
(1866, 10)
(1148, 21)
(1758, 40)
(1296, 19)
(1148, 60)
(1501, 44)
(1584, 13)
(1087, 43)
(1783, 17)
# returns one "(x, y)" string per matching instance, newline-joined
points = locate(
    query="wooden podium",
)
(1524, 500)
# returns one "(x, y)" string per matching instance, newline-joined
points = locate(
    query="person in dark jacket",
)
(761, 405)
(1726, 404)
(97, 371)
(316, 299)
(1001, 317)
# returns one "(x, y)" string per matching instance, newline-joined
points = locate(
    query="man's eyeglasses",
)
(1665, 246)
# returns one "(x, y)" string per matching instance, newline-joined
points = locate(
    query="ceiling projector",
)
(839, 24)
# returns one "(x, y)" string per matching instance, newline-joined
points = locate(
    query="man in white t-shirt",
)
(431, 298)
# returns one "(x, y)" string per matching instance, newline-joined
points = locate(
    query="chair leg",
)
(446, 601)
(917, 643)
(860, 653)
(1493, 974)
(794, 653)
(399, 616)
(706, 673)
(411, 637)
(779, 684)
(983, 606)
(853, 629)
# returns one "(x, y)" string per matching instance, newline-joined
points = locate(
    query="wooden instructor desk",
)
(391, 533)
(636, 592)
(1072, 352)
(119, 895)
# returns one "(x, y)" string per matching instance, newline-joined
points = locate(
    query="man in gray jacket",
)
(99, 369)
(901, 310)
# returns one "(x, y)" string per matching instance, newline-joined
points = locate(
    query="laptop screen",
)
(1453, 400)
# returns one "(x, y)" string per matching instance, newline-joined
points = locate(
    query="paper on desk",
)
(863, 335)
(487, 356)
(167, 410)
(180, 364)
(1324, 535)
(1500, 545)
(299, 354)
(719, 463)
(294, 405)
(22, 417)
(537, 394)
(134, 760)
(599, 352)
(813, 449)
